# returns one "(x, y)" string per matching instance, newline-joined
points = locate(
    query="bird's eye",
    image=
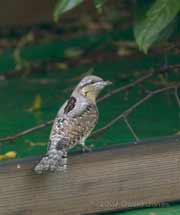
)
(93, 82)
(89, 83)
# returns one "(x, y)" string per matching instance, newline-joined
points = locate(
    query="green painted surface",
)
(55, 50)
(156, 118)
(169, 210)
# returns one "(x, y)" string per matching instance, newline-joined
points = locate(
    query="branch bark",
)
(23, 133)
(131, 130)
(132, 108)
(106, 96)
(177, 96)
(140, 80)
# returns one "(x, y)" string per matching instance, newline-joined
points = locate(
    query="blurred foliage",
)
(37, 104)
(99, 4)
(8, 155)
(40, 65)
(63, 6)
(152, 19)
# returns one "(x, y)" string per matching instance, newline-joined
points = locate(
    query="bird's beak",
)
(102, 84)
(106, 83)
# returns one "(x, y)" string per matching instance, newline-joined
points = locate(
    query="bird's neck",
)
(88, 97)
(91, 96)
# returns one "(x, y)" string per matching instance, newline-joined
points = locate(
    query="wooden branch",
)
(141, 79)
(117, 178)
(106, 96)
(131, 130)
(124, 114)
(177, 96)
(23, 133)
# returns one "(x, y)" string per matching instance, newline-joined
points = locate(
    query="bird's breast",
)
(77, 127)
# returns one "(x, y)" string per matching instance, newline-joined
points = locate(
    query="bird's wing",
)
(72, 114)
(59, 117)
(55, 158)
(70, 107)
(76, 107)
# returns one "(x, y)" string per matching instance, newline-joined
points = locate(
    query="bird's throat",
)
(91, 96)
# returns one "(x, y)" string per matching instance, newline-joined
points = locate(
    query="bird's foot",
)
(62, 168)
(86, 148)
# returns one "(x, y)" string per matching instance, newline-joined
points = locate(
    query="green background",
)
(158, 117)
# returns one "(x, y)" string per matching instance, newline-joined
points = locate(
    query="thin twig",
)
(139, 80)
(35, 128)
(126, 87)
(96, 133)
(132, 108)
(118, 90)
(23, 133)
(131, 129)
(177, 96)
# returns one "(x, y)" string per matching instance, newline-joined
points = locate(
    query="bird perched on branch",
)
(73, 124)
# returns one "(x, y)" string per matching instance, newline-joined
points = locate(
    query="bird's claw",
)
(86, 148)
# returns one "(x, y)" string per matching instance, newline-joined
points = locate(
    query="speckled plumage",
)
(73, 123)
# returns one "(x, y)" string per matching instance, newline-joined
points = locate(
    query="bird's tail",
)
(52, 162)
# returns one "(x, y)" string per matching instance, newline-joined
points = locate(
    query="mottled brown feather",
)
(70, 105)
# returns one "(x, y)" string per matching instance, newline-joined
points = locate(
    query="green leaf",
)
(63, 6)
(99, 4)
(148, 29)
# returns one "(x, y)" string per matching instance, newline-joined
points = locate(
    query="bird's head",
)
(90, 86)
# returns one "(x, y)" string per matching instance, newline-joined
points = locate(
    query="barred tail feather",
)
(51, 162)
